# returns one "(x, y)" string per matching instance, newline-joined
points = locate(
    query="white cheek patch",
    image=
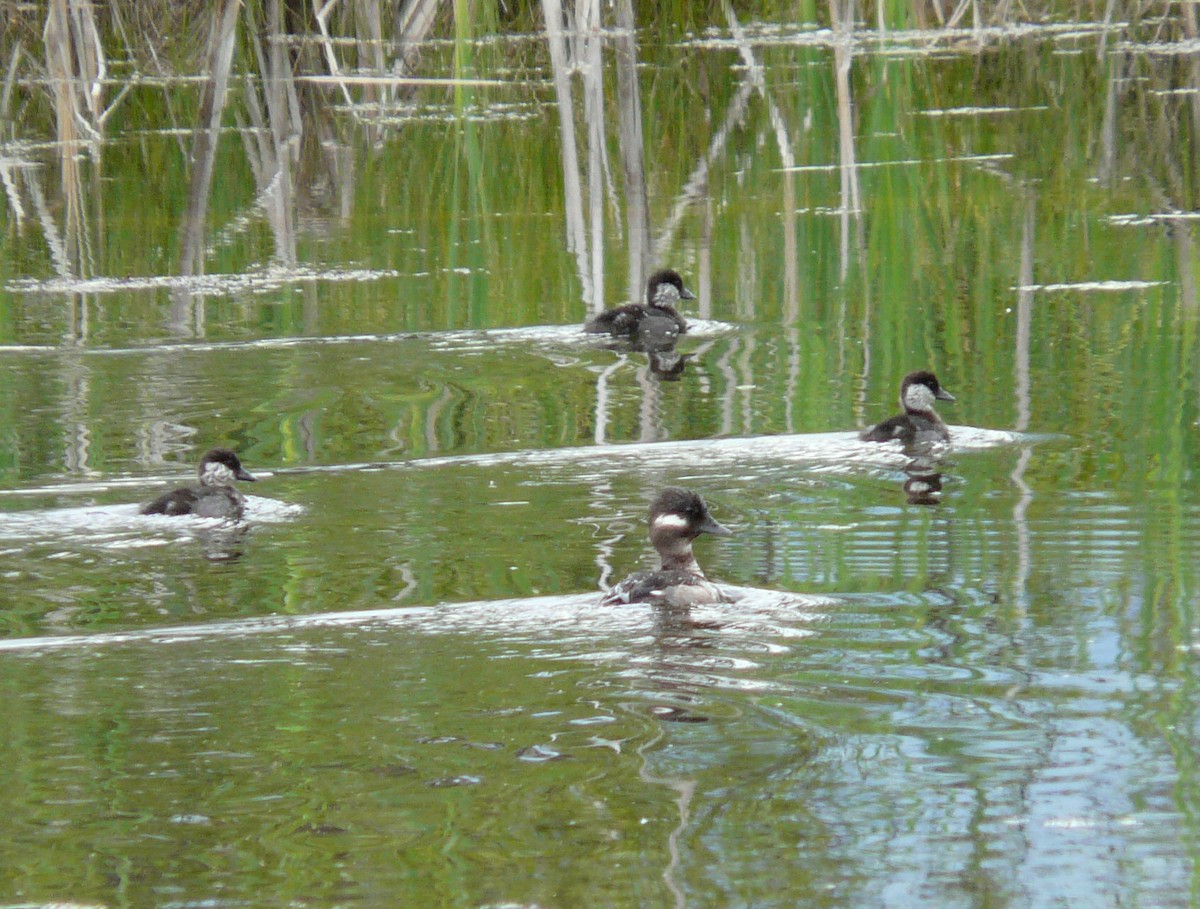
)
(666, 294)
(671, 520)
(217, 474)
(918, 397)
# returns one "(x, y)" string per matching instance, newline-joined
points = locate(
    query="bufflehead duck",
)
(663, 290)
(676, 518)
(215, 497)
(919, 422)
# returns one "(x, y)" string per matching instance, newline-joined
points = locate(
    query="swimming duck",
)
(663, 291)
(919, 422)
(676, 518)
(215, 497)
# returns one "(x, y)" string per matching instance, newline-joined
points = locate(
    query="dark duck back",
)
(214, 497)
(657, 315)
(919, 422)
(676, 518)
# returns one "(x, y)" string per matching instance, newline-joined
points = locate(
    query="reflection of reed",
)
(321, 13)
(76, 67)
(186, 316)
(1108, 128)
(588, 42)
(219, 59)
(685, 792)
(629, 129)
(1185, 255)
(787, 158)
(276, 132)
(843, 24)
(583, 54)
(696, 186)
(10, 79)
(76, 70)
(1024, 313)
(1022, 391)
(650, 422)
(76, 417)
(577, 242)
(724, 365)
(603, 404)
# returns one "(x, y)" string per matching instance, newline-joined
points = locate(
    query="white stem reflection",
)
(592, 70)
(600, 437)
(577, 241)
(843, 55)
(629, 129)
(1022, 391)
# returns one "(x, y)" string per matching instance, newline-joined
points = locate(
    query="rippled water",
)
(961, 680)
(948, 699)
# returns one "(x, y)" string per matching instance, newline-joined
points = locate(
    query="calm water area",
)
(359, 251)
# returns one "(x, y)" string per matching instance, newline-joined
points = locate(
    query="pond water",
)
(392, 683)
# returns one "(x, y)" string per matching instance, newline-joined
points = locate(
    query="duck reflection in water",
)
(651, 328)
(923, 482)
(225, 542)
(656, 337)
(667, 364)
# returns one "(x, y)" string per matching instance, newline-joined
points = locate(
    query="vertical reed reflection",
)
(1108, 128)
(76, 68)
(650, 424)
(321, 14)
(222, 37)
(1022, 393)
(1024, 312)
(629, 129)
(1185, 255)
(76, 418)
(588, 40)
(560, 64)
(685, 792)
(187, 314)
(843, 55)
(696, 186)
(787, 159)
(10, 80)
(600, 434)
(276, 134)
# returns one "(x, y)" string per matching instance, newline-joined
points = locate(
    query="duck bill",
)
(715, 528)
(686, 294)
(244, 476)
(943, 395)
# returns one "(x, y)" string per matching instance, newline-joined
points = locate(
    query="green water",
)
(392, 686)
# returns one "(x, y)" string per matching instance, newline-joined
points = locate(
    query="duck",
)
(919, 422)
(214, 497)
(676, 517)
(656, 317)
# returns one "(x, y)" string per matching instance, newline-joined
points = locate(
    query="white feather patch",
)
(217, 474)
(918, 397)
(666, 294)
(671, 520)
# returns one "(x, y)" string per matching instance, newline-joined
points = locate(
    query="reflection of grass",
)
(468, 212)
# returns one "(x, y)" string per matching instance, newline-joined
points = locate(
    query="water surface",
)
(392, 684)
